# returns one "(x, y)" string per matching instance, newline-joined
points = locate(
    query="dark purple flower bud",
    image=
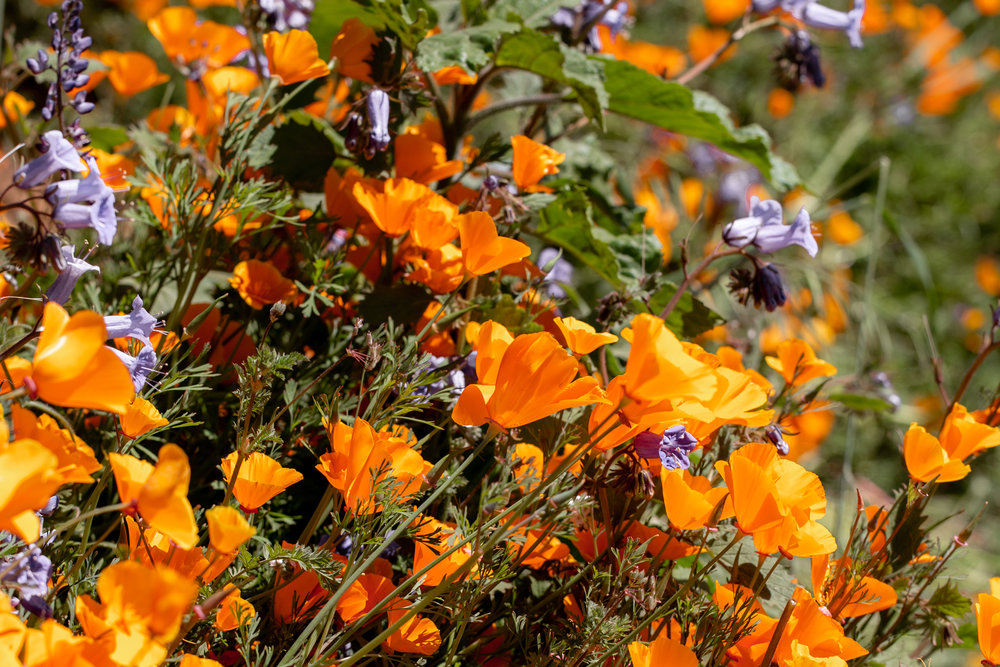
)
(767, 289)
(59, 154)
(353, 132)
(491, 182)
(377, 104)
(774, 434)
(78, 64)
(83, 44)
(50, 507)
(81, 104)
(672, 447)
(53, 20)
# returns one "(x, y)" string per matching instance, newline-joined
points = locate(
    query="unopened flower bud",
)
(277, 310)
(377, 104)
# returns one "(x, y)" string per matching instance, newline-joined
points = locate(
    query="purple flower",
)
(820, 16)
(99, 214)
(287, 15)
(377, 104)
(764, 229)
(64, 284)
(586, 15)
(137, 324)
(767, 289)
(29, 572)
(139, 366)
(77, 190)
(57, 154)
(672, 448)
(559, 272)
(774, 434)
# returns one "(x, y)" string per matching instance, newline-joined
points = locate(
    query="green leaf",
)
(637, 254)
(548, 57)
(468, 48)
(410, 20)
(305, 148)
(403, 303)
(862, 403)
(689, 317)
(636, 93)
(567, 223)
(947, 600)
(106, 138)
(532, 13)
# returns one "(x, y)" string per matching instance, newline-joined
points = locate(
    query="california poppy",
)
(988, 622)
(76, 460)
(30, 478)
(131, 72)
(926, 458)
(483, 250)
(259, 479)
(227, 528)
(261, 284)
(533, 161)
(580, 337)
(846, 594)
(141, 417)
(353, 48)
(73, 368)
(798, 364)
(233, 611)
(422, 159)
(293, 56)
(664, 650)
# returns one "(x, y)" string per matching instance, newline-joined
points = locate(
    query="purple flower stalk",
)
(29, 572)
(672, 447)
(64, 284)
(764, 229)
(57, 154)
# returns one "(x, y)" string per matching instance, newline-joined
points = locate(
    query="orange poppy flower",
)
(416, 635)
(141, 417)
(359, 454)
(227, 528)
(115, 169)
(15, 106)
(447, 76)
(131, 72)
(188, 660)
(530, 466)
(261, 284)
(233, 612)
(483, 250)
(394, 208)
(798, 364)
(534, 548)
(532, 162)
(811, 627)
(72, 367)
(663, 61)
(662, 651)
(724, 11)
(422, 159)
(76, 459)
(988, 622)
(703, 42)
(259, 479)
(353, 48)
(431, 540)
(927, 459)
(30, 478)
(777, 501)
(963, 435)
(153, 548)
(534, 379)
(137, 600)
(186, 39)
(659, 368)
(368, 590)
(293, 56)
(690, 501)
(845, 594)
(159, 492)
(580, 337)
(805, 432)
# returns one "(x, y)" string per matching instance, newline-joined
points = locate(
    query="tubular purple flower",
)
(377, 104)
(763, 229)
(138, 324)
(139, 366)
(30, 574)
(64, 284)
(819, 16)
(58, 154)
(78, 190)
(99, 215)
(672, 447)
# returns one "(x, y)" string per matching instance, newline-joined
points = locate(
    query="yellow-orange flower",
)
(988, 621)
(532, 162)
(927, 459)
(846, 594)
(159, 492)
(261, 284)
(798, 364)
(233, 611)
(422, 159)
(140, 417)
(360, 453)
(73, 368)
(353, 49)
(76, 459)
(259, 479)
(15, 106)
(131, 72)
(483, 250)
(661, 652)
(227, 528)
(582, 338)
(29, 479)
(691, 501)
(534, 379)
(416, 635)
(293, 56)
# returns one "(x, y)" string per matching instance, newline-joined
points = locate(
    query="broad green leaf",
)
(305, 148)
(404, 304)
(532, 13)
(468, 48)
(567, 223)
(410, 20)
(106, 138)
(637, 254)
(546, 56)
(636, 93)
(689, 318)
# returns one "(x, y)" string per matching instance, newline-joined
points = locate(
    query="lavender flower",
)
(68, 43)
(763, 228)
(64, 284)
(774, 434)
(137, 324)
(589, 14)
(559, 272)
(100, 214)
(29, 572)
(377, 104)
(139, 366)
(820, 16)
(57, 154)
(672, 447)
